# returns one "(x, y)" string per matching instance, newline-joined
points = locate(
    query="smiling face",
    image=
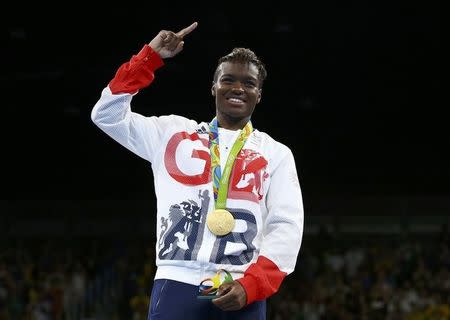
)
(237, 90)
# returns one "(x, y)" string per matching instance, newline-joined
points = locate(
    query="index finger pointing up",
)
(187, 30)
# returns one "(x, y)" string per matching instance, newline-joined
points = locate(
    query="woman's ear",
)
(259, 96)
(213, 89)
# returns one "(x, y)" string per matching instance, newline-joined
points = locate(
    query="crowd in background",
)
(337, 278)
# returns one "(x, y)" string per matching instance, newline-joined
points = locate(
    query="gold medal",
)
(220, 222)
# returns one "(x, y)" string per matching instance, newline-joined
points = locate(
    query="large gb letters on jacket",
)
(187, 160)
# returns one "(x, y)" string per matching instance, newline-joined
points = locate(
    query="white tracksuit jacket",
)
(264, 192)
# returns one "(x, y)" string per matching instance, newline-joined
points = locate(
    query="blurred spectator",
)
(7, 288)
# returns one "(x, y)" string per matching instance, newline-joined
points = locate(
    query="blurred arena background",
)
(353, 87)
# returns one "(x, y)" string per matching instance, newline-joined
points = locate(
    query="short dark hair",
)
(244, 55)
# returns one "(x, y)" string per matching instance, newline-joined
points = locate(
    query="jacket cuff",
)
(250, 286)
(138, 73)
(148, 54)
(261, 280)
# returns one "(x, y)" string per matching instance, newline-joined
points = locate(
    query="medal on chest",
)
(220, 221)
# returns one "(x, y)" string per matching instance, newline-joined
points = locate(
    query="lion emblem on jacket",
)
(180, 232)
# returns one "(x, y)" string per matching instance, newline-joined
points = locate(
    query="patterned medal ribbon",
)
(221, 181)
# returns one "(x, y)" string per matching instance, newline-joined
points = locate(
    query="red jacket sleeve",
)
(261, 280)
(137, 73)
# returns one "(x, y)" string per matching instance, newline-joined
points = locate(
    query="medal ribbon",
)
(221, 181)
